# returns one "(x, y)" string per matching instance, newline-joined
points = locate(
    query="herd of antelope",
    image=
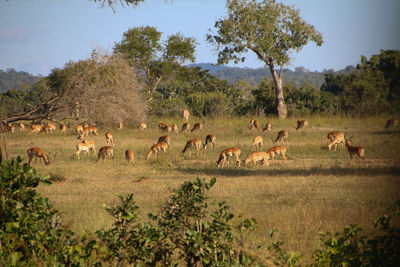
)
(332, 139)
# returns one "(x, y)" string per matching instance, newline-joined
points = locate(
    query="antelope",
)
(120, 125)
(165, 127)
(392, 123)
(196, 143)
(267, 127)
(336, 138)
(130, 156)
(162, 146)
(87, 130)
(63, 128)
(143, 126)
(105, 151)
(253, 124)
(354, 150)
(282, 135)
(276, 150)
(331, 135)
(9, 128)
(165, 138)
(257, 142)
(257, 157)
(38, 153)
(229, 152)
(22, 127)
(162, 125)
(185, 114)
(109, 138)
(185, 127)
(210, 139)
(85, 125)
(85, 146)
(175, 128)
(49, 128)
(301, 124)
(36, 128)
(79, 129)
(197, 127)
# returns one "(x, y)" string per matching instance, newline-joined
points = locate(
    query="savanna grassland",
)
(317, 190)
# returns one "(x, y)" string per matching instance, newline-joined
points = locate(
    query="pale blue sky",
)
(39, 35)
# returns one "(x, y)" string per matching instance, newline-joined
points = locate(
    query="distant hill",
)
(254, 76)
(12, 79)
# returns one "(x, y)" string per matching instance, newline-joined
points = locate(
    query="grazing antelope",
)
(38, 153)
(120, 125)
(86, 131)
(392, 123)
(257, 143)
(49, 128)
(253, 124)
(354, 150)
(22, 127)
(162, 146)
(229, 152)
(282, 135)
(175, 128)
(301, 124)
(277, 150)
(185, 127)
(257, 157)
(85, 146)
(331, 135)
(197, 127)
(79, 129)
(130, 156)
(336, 138)
(109, 138)
(164, 127)
(63, 128)
(143, 126)
(196, 143)
(105, 151)
(185, 114)
(267, 127)
(210, 139)
(36, 128)
(165, 138)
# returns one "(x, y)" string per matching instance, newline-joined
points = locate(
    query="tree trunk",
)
(280, 100)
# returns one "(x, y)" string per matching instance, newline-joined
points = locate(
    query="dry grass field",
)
(316, 190)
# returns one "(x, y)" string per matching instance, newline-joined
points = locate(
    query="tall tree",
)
(143, 47)
(271, 30)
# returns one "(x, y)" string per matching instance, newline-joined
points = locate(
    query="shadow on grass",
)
(314, 171)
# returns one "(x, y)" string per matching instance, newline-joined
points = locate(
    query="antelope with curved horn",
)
(38, 153)
(162, 146)
(282, 135)
(257, 143)
(85, 146)
(253, 124)
(229, 152)
(129, 156)
(105, 151)
(354, 150)
(301, 124)
(210, 139)
(196, 143)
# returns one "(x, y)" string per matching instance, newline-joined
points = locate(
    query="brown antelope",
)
(22, 127)
(85, 146)
(257, 157)
(9, 128)
(165, 138)
(336, 137)
(85, 125)
(331, 135)
(162, 146)
(392, 123)
(130, 156)
(354, 150)
(49, 128)
(143, 126)
(36, 128)
(267, 127)
(63, 128)
(38, 153)
(253, 124)
(164, 127)
(277, 150)
(86, 131)
(229, 152)
(79, 129)
(282, 135)
(301, 124)
(197, 127)
(257, 142)
(109, 139)
(185, 114)
(175, 128)
(185, 127)
(196, 143)
(120, 125)
(210, 139)
(105, 151)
